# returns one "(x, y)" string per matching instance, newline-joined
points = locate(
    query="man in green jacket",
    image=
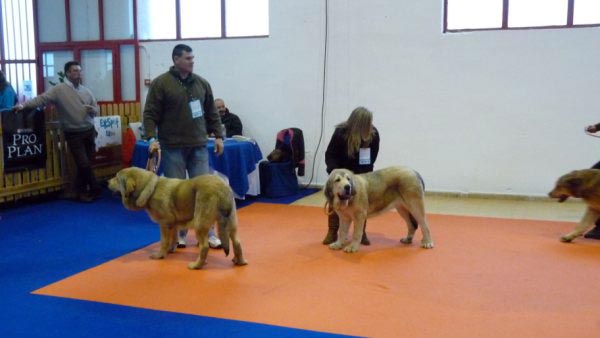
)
(178, 116)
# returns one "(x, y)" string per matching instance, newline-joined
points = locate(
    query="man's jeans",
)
(176, 162)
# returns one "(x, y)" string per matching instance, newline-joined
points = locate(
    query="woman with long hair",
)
(354, 146)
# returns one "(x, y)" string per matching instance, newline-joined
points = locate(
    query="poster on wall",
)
(23, 140)
(108, 140)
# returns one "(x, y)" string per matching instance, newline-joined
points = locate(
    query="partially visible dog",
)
(280, 155)
(584, 184)
(357, 197)
(194, 203)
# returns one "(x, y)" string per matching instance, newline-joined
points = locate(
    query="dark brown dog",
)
(584, 184)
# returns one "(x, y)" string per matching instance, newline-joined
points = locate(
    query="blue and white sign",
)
(109, 131)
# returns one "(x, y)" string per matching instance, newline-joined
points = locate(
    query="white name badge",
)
(364, 156)
(196, 109)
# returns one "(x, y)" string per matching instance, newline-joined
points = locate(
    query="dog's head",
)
(577, 183)
(279, 155)
(135, 185)
(339, 186)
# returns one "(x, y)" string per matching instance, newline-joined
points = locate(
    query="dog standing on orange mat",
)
(584, 184)
(193, 203)
(357, 197)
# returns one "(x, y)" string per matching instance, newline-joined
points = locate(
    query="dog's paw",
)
(566, 238)
(157, 255)
(351, 248)
(427, 244)
(239, 262)
(195, 265)
(336, 245)
(406, 240)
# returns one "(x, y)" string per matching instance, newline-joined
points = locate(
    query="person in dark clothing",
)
(232, 123)
(595, 232)
(354, 146)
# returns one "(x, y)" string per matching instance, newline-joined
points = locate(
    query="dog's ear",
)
(129, 185)
(329, 190)
(575, 186)
(147, 191)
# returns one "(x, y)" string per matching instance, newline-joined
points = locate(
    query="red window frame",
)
(77, 46)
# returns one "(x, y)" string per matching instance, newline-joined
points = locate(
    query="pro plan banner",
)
(23, 140)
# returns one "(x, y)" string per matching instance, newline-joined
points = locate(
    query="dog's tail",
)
(420, 179)
(413, 221)
(227, 220)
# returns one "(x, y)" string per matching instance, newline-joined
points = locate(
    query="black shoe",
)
(85, 198)
(594, 233)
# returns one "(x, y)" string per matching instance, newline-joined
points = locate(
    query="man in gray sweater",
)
(76, 107)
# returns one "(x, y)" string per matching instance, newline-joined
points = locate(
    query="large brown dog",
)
(584, 184)
(195, 203)
(357, 197)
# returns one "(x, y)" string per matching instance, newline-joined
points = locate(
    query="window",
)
(52, 63)
(247, 18)
(152, 11)
(465, 15)
(97, 72)
(586, 12)
(118, 19)
(17, 48)
(200, 19)
(85, 24)
(100, 35)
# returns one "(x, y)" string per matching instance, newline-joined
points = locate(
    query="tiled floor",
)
(538, 209)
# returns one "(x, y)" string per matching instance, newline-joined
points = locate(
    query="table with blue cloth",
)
(238, 163)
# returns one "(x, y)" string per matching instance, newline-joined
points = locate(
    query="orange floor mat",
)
(486, 277)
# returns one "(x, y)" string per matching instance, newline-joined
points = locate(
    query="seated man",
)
(233, 124)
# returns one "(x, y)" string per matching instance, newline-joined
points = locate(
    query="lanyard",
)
(187, 89)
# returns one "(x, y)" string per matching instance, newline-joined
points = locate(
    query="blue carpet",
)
(44, 242)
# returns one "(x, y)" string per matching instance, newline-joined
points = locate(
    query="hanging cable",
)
(323, 94)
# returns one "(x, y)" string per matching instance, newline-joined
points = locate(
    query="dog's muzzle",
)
(561, 197)
(346, 194)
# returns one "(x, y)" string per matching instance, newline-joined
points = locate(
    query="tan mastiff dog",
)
(357, 197)
(194, 203)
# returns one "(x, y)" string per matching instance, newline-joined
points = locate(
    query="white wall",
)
(481, 112)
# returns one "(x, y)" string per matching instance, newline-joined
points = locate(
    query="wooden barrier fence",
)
(59, 170)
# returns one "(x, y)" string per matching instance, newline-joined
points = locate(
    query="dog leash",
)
(153, 162)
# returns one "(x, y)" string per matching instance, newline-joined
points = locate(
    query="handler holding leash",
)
(595, 232)
(180, 112)
(354, 146)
